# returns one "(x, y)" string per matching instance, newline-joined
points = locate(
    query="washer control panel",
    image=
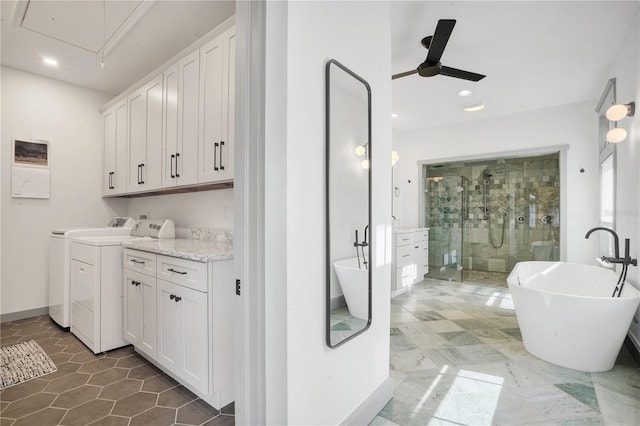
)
(154, 228)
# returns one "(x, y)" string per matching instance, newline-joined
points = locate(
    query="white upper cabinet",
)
(180, 131)
(115, 150)
(145, 137)
(217, 78)
(176, 130)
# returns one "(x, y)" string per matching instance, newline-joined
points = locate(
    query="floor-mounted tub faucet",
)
(616, 243)
(624, 261)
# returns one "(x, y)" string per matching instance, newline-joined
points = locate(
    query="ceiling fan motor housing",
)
(426, 69)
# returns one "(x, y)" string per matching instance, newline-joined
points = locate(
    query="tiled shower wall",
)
(527, 189)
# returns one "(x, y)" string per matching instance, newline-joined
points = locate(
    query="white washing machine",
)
(96, 284)
(60, 261)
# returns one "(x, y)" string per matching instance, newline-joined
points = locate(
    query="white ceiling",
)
(139, 36)
(535, 54)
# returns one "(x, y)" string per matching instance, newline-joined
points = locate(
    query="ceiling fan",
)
(436, 44)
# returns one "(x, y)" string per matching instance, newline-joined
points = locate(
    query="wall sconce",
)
(361, 151)
(616, 113)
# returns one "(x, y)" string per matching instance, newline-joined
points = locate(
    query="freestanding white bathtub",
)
(354, 282)
(567, 315)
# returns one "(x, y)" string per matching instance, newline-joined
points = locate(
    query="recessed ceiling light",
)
(474, 107)
(464, 92)
(394, 115)
(50, 61)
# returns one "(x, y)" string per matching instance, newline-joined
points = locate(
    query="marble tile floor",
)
(457, 359)
(114, 388)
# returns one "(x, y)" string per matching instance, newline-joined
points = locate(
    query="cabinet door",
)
(183, 341)
(188, 119)
(115, 149)
(211, 98)
(228, 103)
(145, 137)
(140, 311)
(170, 126)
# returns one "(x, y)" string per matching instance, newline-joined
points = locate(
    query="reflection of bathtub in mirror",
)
(354, 281)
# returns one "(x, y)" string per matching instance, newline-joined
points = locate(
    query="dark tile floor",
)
(115, 388)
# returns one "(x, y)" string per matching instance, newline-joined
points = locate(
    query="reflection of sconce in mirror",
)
(361, 151)
(616, 113)
(394, 158)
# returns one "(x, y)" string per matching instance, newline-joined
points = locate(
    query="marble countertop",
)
(198, 250)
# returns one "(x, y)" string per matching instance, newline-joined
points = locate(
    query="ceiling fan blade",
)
(440, 39)
(465, 75)
(403, 74)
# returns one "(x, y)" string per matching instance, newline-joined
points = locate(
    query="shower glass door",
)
(445, 210)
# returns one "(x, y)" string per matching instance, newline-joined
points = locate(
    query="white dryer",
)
(60, 261)
(96, 284)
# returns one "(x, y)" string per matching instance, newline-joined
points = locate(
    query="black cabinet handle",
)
(135, 283)
(138, 174)
(177, 298)
(140, 262)
(221, 165)
(171, 166)
(215, 156)
(177, 272)
(141, 173)
(111, 180)
(177, 156)
(172, 296)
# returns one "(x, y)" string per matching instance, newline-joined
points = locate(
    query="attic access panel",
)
(80, 23)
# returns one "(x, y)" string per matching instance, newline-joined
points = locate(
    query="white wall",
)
(67, 116)
(206, 209)
(626, 70)
(320, 385)
(574, 125)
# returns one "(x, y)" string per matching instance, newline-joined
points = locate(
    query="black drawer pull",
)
(139, 262)
(177, 272)
(171, 166)
(177, 157)
(177, 298)
(215, 156)
(172, 296)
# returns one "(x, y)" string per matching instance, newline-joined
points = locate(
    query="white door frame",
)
(249, 214)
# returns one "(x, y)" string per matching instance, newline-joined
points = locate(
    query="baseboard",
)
(369, 409)
(15, 316)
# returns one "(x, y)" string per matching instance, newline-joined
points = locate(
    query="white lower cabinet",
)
(183, 334)
(178, 313)
(140, 311)
(410, 258)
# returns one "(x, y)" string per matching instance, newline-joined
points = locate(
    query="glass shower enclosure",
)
(486, 215)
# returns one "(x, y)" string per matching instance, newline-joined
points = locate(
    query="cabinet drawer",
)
(84, 253)
(184, 272)
(404, 238)
(404, 255)
(140, 261)
(421, 235)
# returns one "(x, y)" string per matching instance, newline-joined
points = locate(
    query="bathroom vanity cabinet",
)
(178, 314)
(410, 260)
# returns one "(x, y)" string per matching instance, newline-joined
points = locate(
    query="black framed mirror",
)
(348, 204)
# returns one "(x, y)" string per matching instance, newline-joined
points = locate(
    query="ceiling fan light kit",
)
(432, 65)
